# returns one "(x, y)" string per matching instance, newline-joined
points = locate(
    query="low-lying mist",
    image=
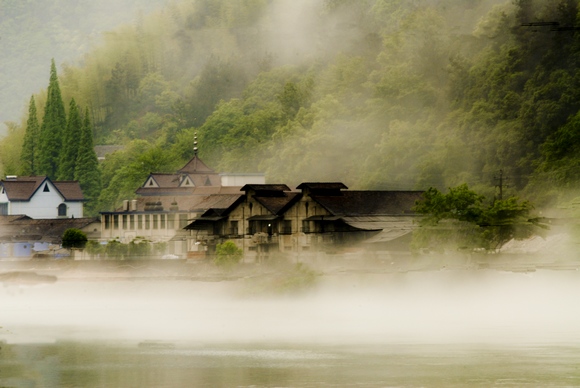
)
(459, 306)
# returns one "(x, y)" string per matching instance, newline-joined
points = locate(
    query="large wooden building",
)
(267, 219)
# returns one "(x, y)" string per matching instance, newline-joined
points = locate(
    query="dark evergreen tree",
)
(87, 170)
(29, 154)
(53, 125)
(70, 146)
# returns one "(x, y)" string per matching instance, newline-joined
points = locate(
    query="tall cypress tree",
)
(70, 145)
(52, 128)
(87, 170)
(29, 154)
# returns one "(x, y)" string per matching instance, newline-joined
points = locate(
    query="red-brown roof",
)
(23, 188)
(196, 166)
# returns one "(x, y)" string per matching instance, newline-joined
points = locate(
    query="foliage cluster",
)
(74, 238)
(380, 94)
(463, 219)
(227, 254)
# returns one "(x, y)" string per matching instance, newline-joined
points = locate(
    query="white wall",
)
(45, 205)
(242, 179)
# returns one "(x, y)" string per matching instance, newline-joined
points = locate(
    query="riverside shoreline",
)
(205, 271)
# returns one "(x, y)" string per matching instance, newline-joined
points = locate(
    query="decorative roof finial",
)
(195, 144)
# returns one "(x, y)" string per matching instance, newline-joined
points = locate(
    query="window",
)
(107, 221)
(3, 209)
(162, 221)
(125, 223)
(287, 227)
(155, 221)
(305, 226)
(234, 228)
(46, 189)
(115, 221)
(171, 221)
(132, 222)
(147, 222)
(62, 210)
(139, 221)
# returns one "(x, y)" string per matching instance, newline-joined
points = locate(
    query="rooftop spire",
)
(195, 150)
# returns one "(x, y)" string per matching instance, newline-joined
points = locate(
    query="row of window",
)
(145, 221)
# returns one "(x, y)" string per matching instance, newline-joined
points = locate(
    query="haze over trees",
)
(379, 94)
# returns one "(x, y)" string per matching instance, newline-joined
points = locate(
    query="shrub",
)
(227, 254)
(74, 238)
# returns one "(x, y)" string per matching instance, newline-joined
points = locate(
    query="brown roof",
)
(166, 180)
(196, 166)
(70, 190)
(23, 188)
(354, 203)
(196, 198)
(220, 201)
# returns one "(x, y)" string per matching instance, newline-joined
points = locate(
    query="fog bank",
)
(424, 307)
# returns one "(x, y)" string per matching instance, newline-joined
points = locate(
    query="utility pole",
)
(500, 184)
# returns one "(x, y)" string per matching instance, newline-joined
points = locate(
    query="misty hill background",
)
(378, 94)
(34, 31)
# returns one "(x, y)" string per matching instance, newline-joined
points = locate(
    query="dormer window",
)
(187, 182)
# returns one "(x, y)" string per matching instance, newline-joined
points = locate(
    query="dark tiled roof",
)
(354, 203)
(322, 186)
(277, 205)
(265, 187)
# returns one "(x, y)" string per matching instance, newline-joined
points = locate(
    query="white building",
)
(40, 198)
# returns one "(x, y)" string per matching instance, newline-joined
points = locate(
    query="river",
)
(453, 328)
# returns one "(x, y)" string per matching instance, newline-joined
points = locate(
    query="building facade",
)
(271, 220)
(39, 197)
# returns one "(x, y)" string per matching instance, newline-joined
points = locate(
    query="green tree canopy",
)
(74, 238)
(29, 154)
(52, 128)
(71, 143)
(466, 219)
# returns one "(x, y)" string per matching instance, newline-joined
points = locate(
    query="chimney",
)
(125, 205)
(134, 205)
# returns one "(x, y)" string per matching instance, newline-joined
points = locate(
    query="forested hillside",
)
(389, 94)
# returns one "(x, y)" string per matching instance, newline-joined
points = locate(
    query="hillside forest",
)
(378, 94)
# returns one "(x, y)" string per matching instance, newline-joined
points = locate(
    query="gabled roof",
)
(360, 203)
(196, 166)
(279, 204)
(23, 188)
